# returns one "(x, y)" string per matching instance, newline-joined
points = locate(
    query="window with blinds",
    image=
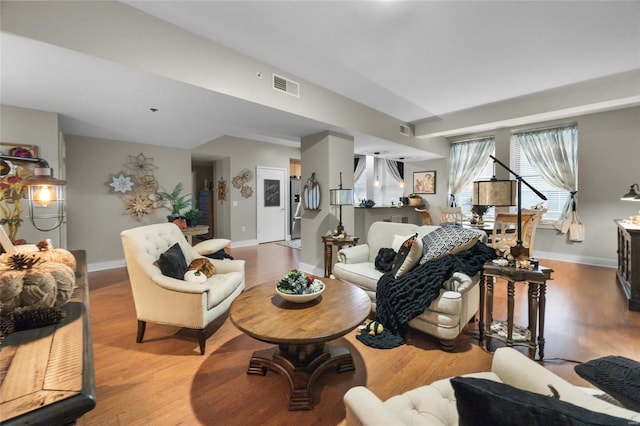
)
(556, 197)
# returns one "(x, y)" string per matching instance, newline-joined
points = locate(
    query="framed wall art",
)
(424, 182)
(17, 150)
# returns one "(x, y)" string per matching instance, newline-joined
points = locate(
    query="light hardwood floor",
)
(165, 381)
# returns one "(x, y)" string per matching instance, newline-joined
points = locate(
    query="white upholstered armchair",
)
(165, 300)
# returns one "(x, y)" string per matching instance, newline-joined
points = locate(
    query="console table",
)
(629, 272)
(46, 373)
(537, 285)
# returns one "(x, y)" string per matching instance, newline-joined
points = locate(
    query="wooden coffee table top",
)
(262, 314)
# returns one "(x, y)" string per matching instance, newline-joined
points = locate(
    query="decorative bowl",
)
(302, 298)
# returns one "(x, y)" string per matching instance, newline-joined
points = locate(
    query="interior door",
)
(271, 198)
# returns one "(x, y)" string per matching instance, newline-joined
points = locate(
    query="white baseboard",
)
(245, 243)
(311, 269)
(584, 260)
(101, 266)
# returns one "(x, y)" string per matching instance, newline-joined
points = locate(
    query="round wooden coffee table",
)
(300, 331)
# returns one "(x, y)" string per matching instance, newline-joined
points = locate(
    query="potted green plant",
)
(175, 201)
(191, 216)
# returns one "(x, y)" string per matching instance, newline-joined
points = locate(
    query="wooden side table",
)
(330, 241)
(190, 231)
(537, 285)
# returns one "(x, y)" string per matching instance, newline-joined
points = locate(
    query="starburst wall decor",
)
(138, 188)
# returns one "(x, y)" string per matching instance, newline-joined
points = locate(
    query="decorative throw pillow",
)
(398, 240)
(449, 239)
(172, 262)
(482, 402)
(202, 264)
(616, 375)
(408, 256)
(384, 259)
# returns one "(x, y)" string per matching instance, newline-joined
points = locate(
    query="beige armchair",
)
(165, 300)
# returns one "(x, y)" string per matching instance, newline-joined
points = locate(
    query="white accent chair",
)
(165, 300)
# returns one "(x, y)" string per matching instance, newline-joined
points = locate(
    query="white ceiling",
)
(412, 60)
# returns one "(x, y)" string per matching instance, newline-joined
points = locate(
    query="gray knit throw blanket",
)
(400, 300)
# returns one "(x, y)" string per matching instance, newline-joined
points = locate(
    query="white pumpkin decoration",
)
(195, 276)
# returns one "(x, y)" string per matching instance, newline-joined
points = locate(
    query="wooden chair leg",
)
(447, 345)
(141, 327)
(202, 340)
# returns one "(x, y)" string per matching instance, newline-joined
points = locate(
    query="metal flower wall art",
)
(240, 182)
(137, 187)
(12, 188)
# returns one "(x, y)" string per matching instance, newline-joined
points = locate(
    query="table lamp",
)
(501, 193)
(43, 191)
(340, 197)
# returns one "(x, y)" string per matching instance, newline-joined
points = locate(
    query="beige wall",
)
(230, 156)
(95, 216)
(608, 158)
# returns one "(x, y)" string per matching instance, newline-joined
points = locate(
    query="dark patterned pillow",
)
(408, 256)
(482, 402)
(172, 262)
(449, 239)
(616, 375)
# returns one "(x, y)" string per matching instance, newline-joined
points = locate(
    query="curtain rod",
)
(475, 139)
(540, 129)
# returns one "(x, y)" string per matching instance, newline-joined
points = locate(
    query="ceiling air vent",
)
(405, 130)
(285, 85)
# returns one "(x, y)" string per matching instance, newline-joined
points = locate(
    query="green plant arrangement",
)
(191, 216)
(175, 201)
(297, 282)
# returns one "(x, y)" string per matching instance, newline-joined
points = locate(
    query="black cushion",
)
(384, 259)
(172, 262)
(616, 375)
(483, 402)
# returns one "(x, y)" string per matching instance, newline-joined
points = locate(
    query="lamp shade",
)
(341, 197)
(497, 193)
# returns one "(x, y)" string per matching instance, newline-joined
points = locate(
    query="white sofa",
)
(435, 404)
(445, 317)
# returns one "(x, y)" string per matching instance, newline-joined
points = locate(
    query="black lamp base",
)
(519, 251)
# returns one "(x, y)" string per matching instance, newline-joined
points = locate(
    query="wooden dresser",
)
(629, 262)
(46, 374)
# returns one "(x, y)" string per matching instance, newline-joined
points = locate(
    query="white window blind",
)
(556, 197)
